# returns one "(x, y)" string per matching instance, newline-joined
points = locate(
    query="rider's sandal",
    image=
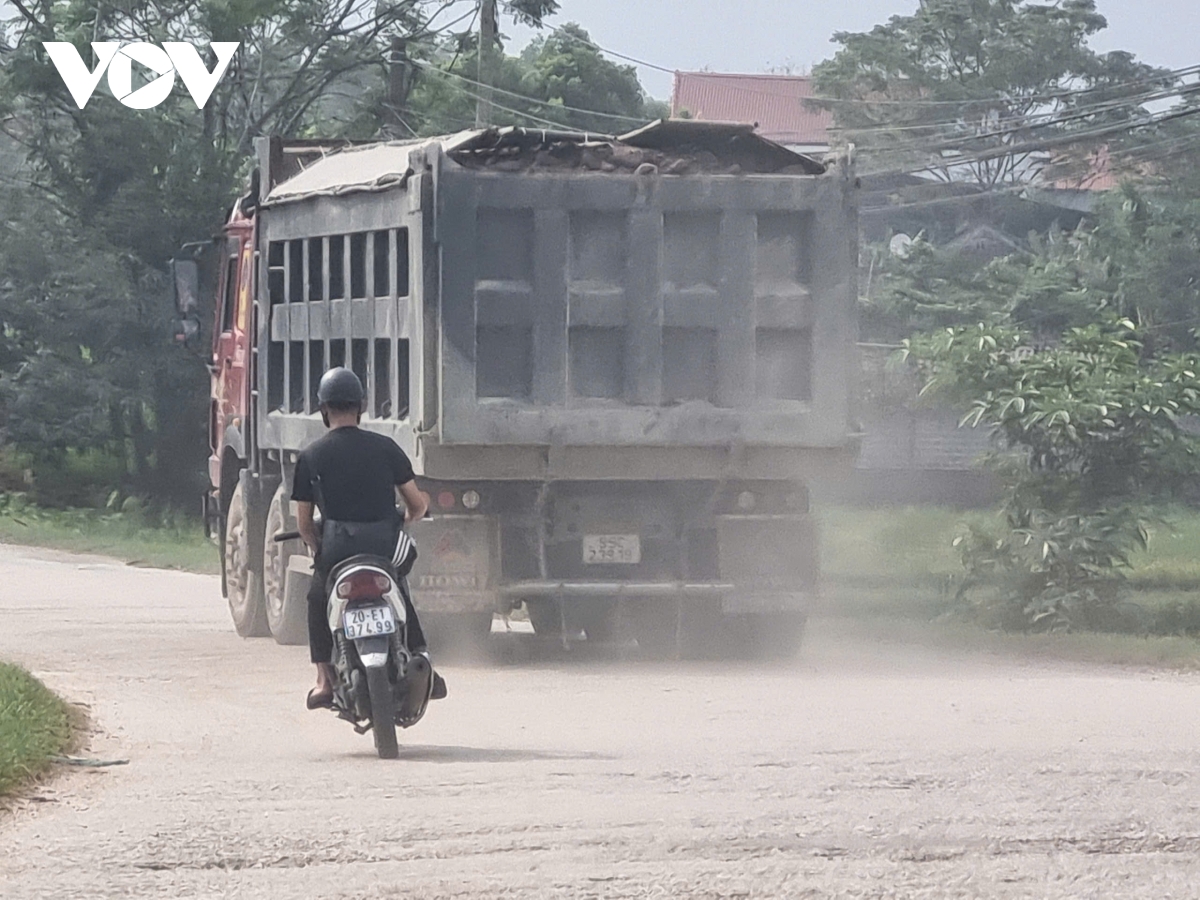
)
(439, 687)
(319, 701)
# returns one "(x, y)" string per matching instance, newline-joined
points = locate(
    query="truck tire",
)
(287, 619)
(243, 584)
(383, 712)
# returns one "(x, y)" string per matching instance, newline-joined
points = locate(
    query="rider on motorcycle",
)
(353, 476)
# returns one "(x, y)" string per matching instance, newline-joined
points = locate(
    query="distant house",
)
(775, 104)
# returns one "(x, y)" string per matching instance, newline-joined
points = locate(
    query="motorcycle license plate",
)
(368, 621)
(622, 549)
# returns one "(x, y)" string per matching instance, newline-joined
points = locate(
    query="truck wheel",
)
(243, 585)
(286, 618)
(383, 712)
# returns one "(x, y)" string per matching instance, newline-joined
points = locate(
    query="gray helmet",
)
(340, 387)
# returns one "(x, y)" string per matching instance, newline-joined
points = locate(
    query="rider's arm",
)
(306, 526)
(414, 501)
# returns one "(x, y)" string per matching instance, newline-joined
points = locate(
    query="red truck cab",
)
(229, 412)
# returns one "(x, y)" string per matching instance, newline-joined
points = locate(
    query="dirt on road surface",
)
(862, 771)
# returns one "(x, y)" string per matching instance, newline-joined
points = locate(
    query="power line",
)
(1031, 147)
(1041, 120)
(1144, 96)
(533, 118)
(632, 59)
(577, 109)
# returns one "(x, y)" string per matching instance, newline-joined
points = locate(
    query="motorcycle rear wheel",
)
(383, 712)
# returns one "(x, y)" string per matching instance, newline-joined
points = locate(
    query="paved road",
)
(860, 772)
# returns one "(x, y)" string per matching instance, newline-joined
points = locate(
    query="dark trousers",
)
(320, 638)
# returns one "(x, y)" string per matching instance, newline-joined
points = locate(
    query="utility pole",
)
(487, 45)
(399, 85)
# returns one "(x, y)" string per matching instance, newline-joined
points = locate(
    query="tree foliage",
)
(102, 197)
(559, 79)
(1080, 354)
(978, 89)
(1090, 430)
(1138, 258)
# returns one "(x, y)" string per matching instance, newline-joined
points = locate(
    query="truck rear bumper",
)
(612, 588)
(733, 601)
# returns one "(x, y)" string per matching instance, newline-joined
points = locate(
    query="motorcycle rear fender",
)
(337, 606)
(373, 651)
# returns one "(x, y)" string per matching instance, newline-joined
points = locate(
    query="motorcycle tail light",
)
(363, 584)
(446, 500)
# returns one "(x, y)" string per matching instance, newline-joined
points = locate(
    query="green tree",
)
(568, 73)
(1137, 258)
(979, 89)
(106, 195)
(1090, 432)
(560, 78)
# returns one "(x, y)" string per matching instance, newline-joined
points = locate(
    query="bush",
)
(1087, 429)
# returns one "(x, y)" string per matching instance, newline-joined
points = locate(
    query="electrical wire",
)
(1143, 96)
(479, 84)
(1030, 147)
(1047, 119)
(1040, 120)
(641, 62)
(1073, 92)
(516, 112)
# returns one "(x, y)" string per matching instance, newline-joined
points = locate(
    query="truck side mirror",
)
(185, 282)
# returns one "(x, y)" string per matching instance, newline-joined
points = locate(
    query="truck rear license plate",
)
(368, 621)
(623, 549)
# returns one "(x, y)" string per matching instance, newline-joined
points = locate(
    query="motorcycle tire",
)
(383, 712)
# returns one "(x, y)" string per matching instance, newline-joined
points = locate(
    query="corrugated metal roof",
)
(774, 102)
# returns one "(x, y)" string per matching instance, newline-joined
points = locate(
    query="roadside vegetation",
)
(132, 535)
(35, 725)
(895, 573)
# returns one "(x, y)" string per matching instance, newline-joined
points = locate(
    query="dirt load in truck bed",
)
(677, 147)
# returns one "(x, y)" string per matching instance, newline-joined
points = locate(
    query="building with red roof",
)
(775, 104)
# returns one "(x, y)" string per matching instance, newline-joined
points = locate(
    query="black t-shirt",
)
(357, 471)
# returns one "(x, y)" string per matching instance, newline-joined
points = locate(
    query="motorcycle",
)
(380, 684)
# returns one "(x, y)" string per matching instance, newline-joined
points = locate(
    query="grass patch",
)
(1156, 651)
(895, 571)
(123, 535)
(34, 725)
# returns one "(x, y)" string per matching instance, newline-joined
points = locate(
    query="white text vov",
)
(173, 57)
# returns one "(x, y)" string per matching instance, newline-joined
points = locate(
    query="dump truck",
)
(617, 364)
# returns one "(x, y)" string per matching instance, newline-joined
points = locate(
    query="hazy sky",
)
(754, 35)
